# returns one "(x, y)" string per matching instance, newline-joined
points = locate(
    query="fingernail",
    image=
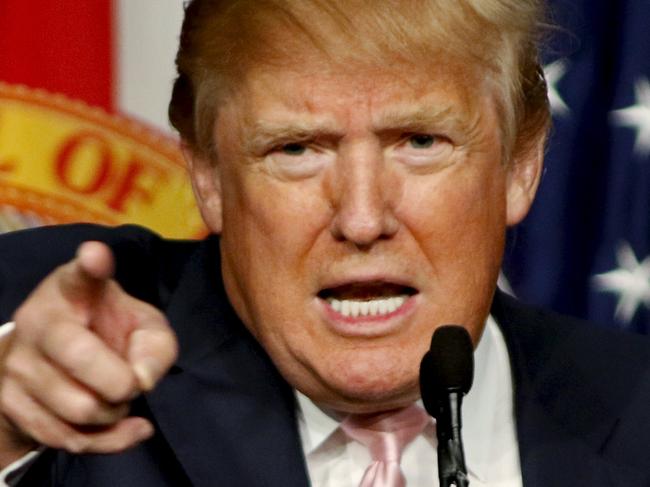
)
(146, 371)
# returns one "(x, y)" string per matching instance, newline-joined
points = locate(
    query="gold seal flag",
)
(62, 161)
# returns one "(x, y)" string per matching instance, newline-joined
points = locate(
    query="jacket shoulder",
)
(547, 338)
(578, 383)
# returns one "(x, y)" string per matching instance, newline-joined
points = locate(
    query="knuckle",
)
(121, 390)
(82, 350)
(84, 409)
(12, 366)
(17, 366)
(8, 403)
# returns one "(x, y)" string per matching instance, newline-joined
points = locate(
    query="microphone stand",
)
(451, 457)
(446, 374)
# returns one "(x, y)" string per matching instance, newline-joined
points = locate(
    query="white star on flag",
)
(631, 282)
(554, 72)
(638, 117)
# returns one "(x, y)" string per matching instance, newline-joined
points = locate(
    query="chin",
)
(367, 393)
(359, 402)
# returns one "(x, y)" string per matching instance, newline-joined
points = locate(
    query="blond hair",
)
(222, 39)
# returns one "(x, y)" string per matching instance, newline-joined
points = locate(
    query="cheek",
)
(462, 202)
(275, 211)
(269, 232)
(458, 224)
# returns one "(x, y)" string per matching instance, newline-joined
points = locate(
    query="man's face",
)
(359, 211)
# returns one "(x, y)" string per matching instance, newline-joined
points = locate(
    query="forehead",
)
(314, 89)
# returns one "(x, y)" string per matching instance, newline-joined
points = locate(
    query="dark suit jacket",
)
(224, 416)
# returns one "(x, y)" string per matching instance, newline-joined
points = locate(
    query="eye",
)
(297, 160)
(293, 149)
(421, 141)
(424, 150)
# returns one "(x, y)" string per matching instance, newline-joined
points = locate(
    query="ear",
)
(206, 183)
(524, 175)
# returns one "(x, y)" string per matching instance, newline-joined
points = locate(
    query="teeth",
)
(374, 307)
(364, 308)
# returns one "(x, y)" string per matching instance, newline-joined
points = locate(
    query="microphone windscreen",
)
(448, 366)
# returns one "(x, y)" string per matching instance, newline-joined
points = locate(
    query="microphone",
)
(446, 374)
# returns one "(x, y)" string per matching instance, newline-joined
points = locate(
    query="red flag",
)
(64, 46)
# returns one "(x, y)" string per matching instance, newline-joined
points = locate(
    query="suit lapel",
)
(224, 409)
(563, 422)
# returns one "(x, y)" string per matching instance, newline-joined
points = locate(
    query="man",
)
(360, 162)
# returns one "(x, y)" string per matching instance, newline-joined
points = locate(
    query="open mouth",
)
(376, 299)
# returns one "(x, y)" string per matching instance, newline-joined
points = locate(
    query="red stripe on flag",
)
(63, 46)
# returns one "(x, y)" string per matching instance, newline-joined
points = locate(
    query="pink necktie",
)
(385, 435)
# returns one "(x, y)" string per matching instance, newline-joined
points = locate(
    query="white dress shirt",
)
(489, 435)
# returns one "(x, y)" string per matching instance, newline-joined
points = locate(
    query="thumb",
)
(152, 350)
(84, 279)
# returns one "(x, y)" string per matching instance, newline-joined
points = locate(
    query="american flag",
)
(585, 248)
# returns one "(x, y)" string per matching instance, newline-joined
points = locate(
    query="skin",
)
(81, 350)
(360, 178)
(361, 181)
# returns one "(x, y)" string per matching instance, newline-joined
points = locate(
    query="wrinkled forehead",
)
(318, 90)
(373, 93)
(275, 106)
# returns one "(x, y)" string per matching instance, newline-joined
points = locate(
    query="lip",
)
(367, 279)
(367, 326)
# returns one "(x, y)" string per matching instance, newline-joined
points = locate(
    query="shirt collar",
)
(488, 419)
(316, 424)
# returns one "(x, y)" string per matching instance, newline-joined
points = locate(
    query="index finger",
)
(83, 280)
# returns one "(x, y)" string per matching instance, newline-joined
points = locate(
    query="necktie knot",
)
(385, 435)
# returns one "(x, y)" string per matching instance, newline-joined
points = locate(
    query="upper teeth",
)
(372, 307)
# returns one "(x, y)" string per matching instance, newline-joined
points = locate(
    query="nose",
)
(364, 198)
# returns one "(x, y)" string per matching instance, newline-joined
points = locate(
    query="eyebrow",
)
(425, 118)
(265, 132)
(421, 119)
